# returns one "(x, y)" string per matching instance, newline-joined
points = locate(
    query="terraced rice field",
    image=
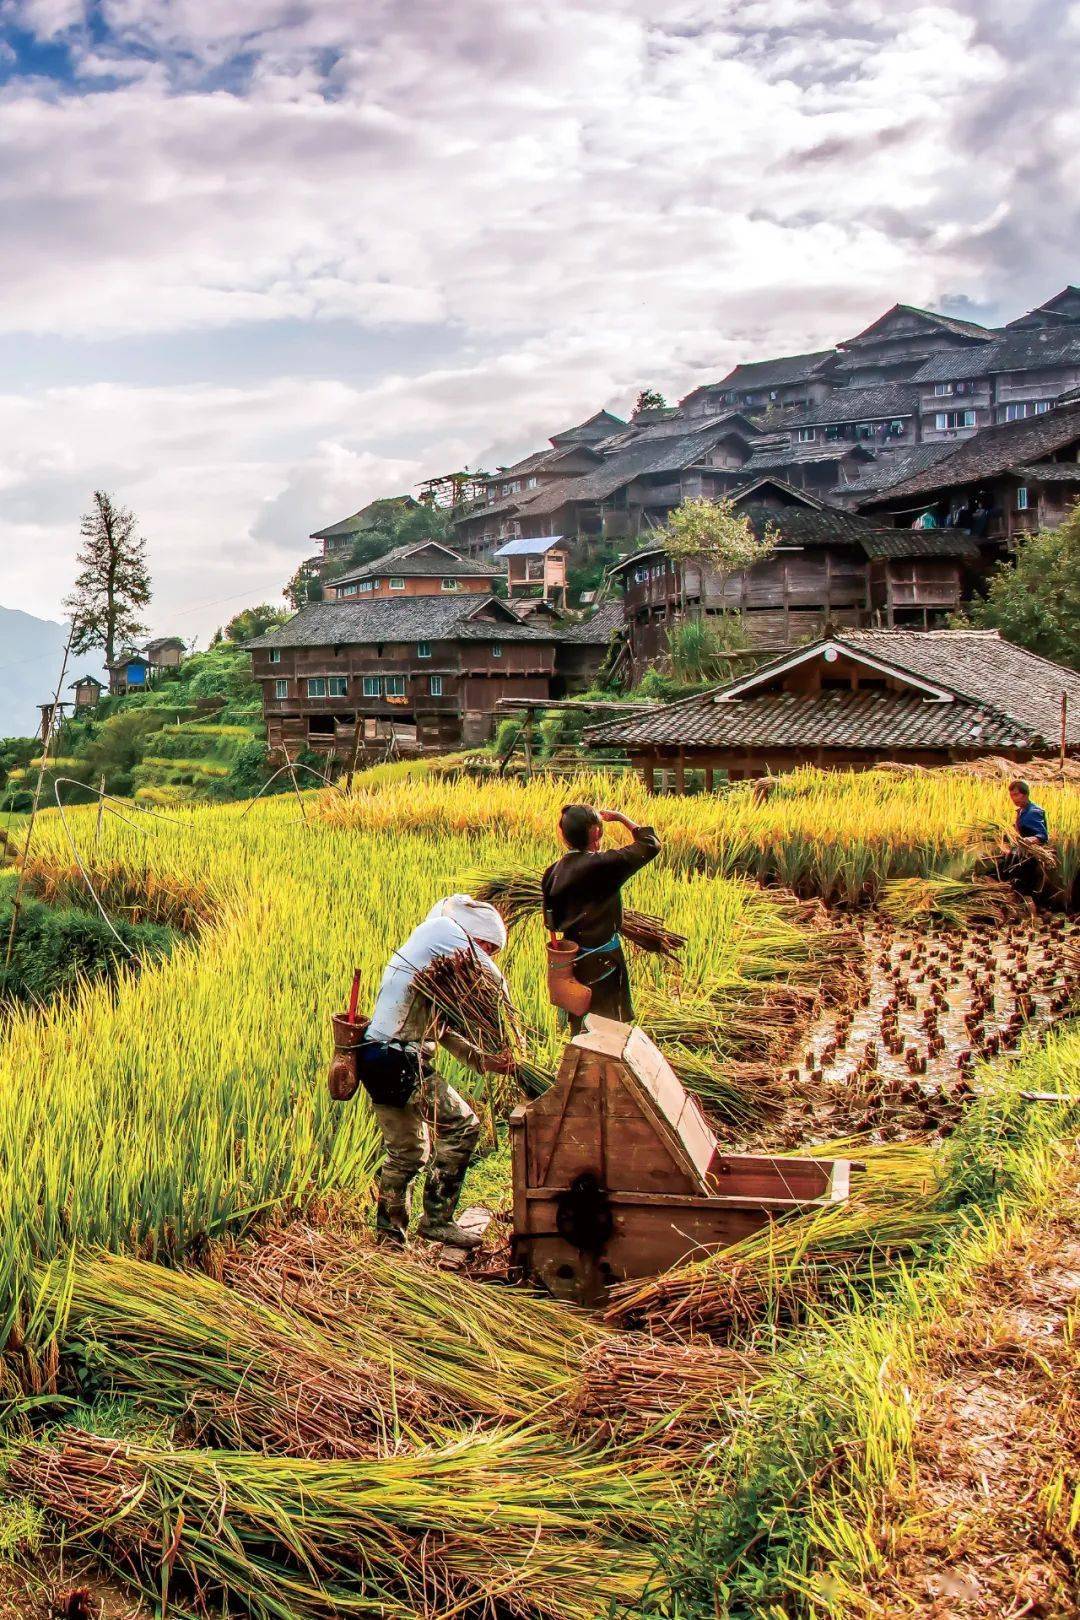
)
(272, 1416)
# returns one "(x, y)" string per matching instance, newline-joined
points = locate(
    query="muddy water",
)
(936, 1001)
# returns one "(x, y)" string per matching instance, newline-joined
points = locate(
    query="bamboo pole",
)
(1064, 717)
(292, 775)
(16, 905)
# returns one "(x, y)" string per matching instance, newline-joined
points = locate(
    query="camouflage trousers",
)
(437, 1128)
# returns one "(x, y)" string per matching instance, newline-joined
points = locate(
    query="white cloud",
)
(599, 193)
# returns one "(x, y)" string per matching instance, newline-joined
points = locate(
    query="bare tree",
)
(113, 584)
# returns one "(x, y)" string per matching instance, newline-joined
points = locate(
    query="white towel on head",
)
(479, 919)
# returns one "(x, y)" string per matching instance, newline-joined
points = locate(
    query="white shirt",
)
(401, 1012)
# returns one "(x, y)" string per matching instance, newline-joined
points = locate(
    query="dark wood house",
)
(828, 568)
(336, 539)
(88, 690)
(892, 348)
(1010, 480)
(420, 673)
(765, 385)
(856, 699)
(424, 568)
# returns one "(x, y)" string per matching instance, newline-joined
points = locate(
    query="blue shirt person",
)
(1030, 818)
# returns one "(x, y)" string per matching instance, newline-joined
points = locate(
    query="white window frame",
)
(366, 585)
(496, 649)
(281, 689)
(274, 655)
(313, 682)
(348, 590)
(1042, 406)
(1016, 411)
(394, 685)
(449, 584)
(337, 686)
(641, 576)
(396, 582)
(807, 435)
(372, 686)
(435, 686)
(1023, 499)
(423, 649)
(943, 389)
(531, 483)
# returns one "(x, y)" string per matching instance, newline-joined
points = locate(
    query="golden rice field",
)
(321, 1430)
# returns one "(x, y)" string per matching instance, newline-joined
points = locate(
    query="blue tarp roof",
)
(530, 548)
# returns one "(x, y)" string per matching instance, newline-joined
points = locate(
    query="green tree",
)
(254, 621)
(650, 399)
(714, 534)
(696, 647)
(1035, 599)
(113, 583)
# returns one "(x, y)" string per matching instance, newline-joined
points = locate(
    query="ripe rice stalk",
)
(506, 1517)
(960, 902)
(517, 895)
(794, 1265)
(478, 1348)
(181, 903)
(236, 1371)
(740, 1095)
(630, 1384)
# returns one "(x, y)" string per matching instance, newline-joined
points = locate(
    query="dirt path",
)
(991, 1526)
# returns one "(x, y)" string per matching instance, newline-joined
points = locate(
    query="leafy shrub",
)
(57, 948)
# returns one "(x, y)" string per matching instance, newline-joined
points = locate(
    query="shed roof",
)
(537, 547)
(1020, 350)
(425, 559)
(598, 629)
(984, 692)
(993, 451)
(896, 465)
(410, 618)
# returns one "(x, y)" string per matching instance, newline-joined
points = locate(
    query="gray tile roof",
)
(411, 618)
(995, 450)
(417, 560)
(771, 457)
(873, 720)
(900, 543)
(1013, 351)
(365, 518)
(820, 525)
(945, 323)
(597, 630)
(652, 456)
(857, 405)
(895, 466)
(1050, 472)
(786, 368)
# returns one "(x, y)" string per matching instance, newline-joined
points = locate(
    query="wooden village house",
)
(538, 564)
(424, 568)
(421, 673)
(828, 568)
(855, 699)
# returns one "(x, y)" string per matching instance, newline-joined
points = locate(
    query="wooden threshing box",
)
(618, 1174)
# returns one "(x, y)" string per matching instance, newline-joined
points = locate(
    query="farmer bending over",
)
(1024, 872)
(582, 901)
(415, 1107)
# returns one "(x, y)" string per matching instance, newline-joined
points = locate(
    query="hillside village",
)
(891, 473)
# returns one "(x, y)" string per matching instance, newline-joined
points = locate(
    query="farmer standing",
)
(583, 902)
(415, 1107)
(1026, 874)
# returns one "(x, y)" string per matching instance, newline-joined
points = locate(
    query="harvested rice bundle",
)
(990, 841)
(962, 902)
(545, 1528)
(478, 1349)
(517, 895)
(630, 1384)
(473, 1004)
(784, 1270)
(238, 1371)
(752, 1022)
(741, 1095)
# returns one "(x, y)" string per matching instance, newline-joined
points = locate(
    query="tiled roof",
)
(895, 466)
(365, 518)
(597, 630)
(418, 560)
(899, 543)
(1014, 351)
(982, 666)
(598, 426)
(945, 323)
(857, 405)
(651, 456)
(876, 720)
(817, 525)
(1064, 306)
(410, 618)
(1050, 472)
(787, 368)
(993, 451)
(797, 455)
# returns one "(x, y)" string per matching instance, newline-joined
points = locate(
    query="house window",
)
(943, 388)
(806, 435)
(348, 590)
(496, 649)
(449, 584)
(1042, 406)
(395, 686)
(281, 689)
(423, 649)
(1022, 498)
(435, 685)
(531, 483)
(316, 686)
(275, 657)
(640, 575)
(372, 686)
(864, 430)
(945, 421)
(832, 434)
(1015, 413)
(338, 686)
(367, 585)
(397, 584)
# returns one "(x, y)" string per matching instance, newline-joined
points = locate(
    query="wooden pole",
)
(1064, 717)
(680, 772)
(100, 807)
(295, 783)
(16, 905)
(528, 745)
(358, 731)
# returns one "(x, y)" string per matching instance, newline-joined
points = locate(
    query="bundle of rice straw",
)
(517, 894)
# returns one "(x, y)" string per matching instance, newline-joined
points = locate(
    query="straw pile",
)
(659, 1391)
(472, 1004)
(960, 902)
(503, 1519)
(517, 895)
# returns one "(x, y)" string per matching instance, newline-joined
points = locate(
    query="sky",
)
(264, 260)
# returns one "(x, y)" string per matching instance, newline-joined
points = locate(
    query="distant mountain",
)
(31, 652)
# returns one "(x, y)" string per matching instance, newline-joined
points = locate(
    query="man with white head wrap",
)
(415, 1107)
